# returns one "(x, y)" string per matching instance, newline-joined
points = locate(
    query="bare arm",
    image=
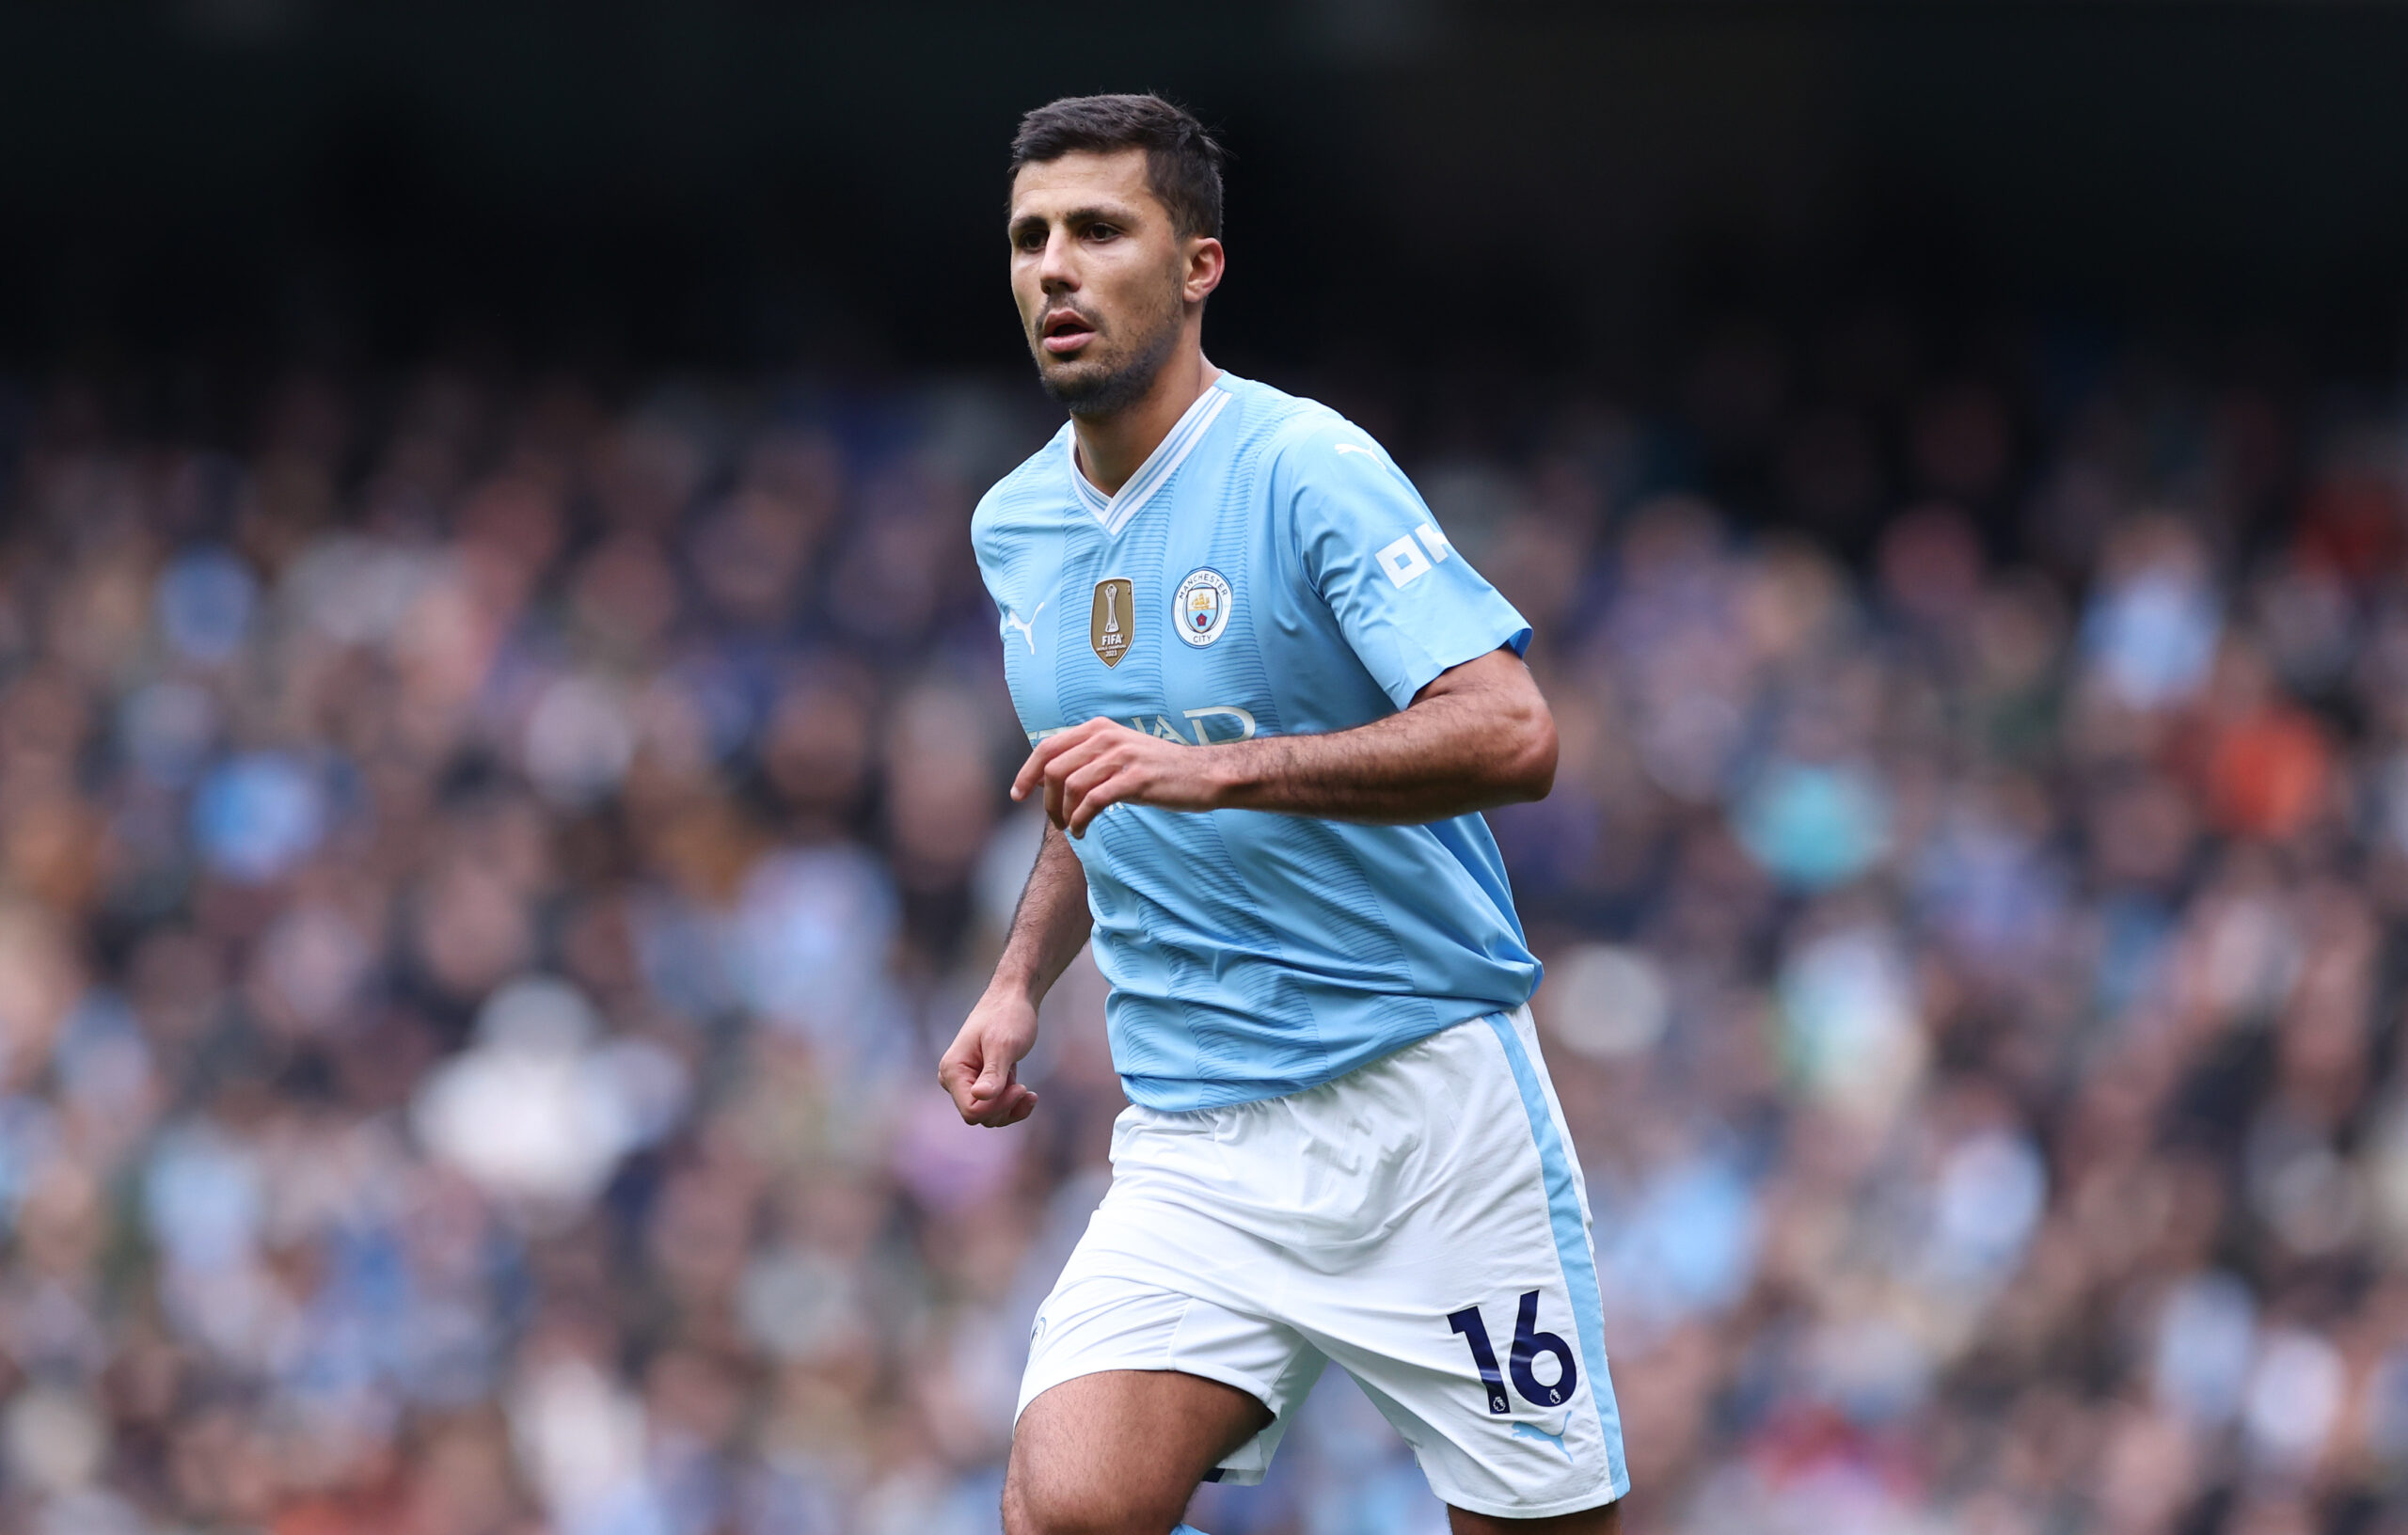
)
(1479, 735)
(981, 1069)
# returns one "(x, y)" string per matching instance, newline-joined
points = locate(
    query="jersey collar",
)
(1114, 512)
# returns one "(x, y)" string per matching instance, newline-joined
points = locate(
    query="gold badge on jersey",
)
(1114, 623)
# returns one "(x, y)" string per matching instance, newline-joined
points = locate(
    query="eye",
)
(1102, 231)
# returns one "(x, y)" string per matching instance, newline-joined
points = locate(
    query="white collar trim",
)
(1114, 512)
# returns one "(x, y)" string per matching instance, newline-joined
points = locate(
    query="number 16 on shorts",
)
(1528, 1343)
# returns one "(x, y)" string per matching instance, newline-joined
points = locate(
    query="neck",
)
(1111, 447)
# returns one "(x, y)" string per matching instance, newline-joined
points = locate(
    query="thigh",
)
(1121, 1451)
(1604, 1521)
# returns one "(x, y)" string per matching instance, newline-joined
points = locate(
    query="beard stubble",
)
(1106, 388)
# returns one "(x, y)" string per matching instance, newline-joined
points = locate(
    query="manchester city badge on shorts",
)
(1202, 605)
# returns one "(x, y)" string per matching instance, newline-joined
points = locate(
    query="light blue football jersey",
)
(1268, 571)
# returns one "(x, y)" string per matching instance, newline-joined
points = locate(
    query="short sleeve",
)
(1407, 602)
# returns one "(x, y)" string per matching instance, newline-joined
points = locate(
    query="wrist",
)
(1014, 982)
(1233, 774)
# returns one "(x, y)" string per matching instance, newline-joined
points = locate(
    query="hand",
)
(1103, 763)
(981, 1069)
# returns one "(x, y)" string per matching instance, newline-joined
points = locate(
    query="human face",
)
(1103, 282)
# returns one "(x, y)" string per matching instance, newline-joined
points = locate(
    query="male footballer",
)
(1267, 702)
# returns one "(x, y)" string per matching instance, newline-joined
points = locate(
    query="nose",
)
(1056, 270)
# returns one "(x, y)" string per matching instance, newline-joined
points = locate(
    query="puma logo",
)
(1027, 627)
(1355, 447)
(1524, 1430)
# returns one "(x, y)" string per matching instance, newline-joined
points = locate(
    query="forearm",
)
(1478, 734)
(1051, 923)
(1445, 756)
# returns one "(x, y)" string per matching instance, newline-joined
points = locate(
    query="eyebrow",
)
(1090, 214)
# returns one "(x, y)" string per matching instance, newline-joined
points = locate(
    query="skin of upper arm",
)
(1512, 712)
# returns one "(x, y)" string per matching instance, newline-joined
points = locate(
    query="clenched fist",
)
(981, 1068)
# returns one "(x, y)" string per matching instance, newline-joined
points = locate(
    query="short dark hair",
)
(1183, 161)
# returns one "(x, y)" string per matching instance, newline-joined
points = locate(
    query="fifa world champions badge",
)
(1202, 605)
(1115, 621)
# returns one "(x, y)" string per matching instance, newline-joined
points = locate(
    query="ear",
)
(1206, 262)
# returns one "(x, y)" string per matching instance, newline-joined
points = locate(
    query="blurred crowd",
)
(487, 867)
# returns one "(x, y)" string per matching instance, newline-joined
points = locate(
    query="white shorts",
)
(1421, 1221)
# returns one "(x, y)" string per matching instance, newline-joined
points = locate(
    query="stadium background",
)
(502, 741)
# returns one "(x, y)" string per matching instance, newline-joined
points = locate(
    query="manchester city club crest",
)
(1202, 605)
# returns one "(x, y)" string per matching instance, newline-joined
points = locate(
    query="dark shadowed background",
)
(1559, 187)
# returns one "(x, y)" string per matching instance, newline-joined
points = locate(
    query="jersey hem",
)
(1241, 1092)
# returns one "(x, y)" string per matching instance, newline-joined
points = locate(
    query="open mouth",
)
(1064, 331)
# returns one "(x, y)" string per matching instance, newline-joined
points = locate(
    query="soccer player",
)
(1267, 702)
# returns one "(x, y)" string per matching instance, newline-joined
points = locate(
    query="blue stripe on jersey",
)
(1571, 1246)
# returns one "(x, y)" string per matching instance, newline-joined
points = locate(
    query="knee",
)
(1038, 1505)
